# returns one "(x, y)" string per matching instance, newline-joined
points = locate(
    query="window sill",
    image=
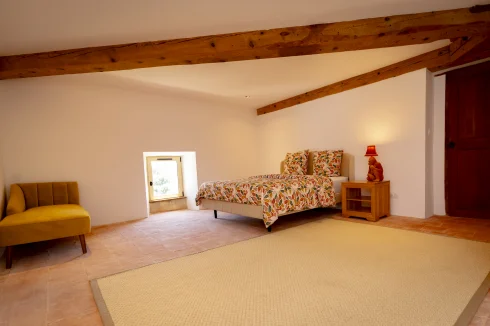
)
(167, 199)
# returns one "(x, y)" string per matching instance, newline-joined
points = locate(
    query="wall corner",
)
(429, 137)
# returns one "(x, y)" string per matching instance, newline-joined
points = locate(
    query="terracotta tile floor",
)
(48, 283)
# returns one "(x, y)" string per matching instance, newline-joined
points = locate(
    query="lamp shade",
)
(371, 151)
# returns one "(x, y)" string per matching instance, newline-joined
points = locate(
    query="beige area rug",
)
(327, 272)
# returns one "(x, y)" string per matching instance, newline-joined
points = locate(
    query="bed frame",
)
(254, 211)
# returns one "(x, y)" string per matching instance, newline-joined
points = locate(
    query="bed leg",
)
(269, 228)
(215, 214)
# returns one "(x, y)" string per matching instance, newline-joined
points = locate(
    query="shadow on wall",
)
(3, 206)
(3, 200)
(189, 175)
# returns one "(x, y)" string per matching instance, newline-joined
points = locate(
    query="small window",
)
(164, 177)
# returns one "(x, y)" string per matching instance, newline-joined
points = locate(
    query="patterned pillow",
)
(296, 163)
(327, 163)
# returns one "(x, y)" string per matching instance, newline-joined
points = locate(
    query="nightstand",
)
(369, 200)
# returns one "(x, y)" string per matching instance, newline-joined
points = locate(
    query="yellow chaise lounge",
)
(43, 211)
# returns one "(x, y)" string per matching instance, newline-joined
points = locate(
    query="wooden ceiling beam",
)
(282, 42)
(463, 45)
(431, 60)
(480, 52)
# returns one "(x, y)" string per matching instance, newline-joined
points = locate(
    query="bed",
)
(268, 197)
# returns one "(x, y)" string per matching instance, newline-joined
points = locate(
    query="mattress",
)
(337, 183)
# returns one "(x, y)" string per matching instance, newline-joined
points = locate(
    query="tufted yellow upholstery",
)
(46, 193)
(43, 211)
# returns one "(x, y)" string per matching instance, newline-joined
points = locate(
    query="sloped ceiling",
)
(257, 83)
(30, 26)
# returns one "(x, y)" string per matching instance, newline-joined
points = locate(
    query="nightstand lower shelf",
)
(369, 200)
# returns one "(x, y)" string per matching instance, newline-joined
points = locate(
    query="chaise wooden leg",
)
(8, 257)
(269, 228)
(82, 242)
(215, 214)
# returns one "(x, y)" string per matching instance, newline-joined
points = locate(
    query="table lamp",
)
(375, 172)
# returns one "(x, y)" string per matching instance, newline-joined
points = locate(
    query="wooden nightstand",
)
(369, 200)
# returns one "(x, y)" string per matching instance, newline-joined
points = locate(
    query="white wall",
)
(439, 92)
(390, 114)
(429, 139)
(94, 129)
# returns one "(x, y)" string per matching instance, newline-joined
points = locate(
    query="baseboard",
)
(117, 223)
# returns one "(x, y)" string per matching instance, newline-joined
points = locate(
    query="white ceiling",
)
(267, 81)
(28, 26)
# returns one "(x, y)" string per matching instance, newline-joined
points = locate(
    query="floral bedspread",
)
(277, 193)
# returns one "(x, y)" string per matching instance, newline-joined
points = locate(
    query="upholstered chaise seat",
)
(43, 211)
(44, 223)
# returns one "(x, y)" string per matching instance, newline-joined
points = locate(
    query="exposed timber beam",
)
(462, 46)
(430, 60)
(478, 53)
(282, 42)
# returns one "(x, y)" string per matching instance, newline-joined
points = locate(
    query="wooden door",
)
(468, 141)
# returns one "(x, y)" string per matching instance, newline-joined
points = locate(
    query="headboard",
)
(346, 168)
